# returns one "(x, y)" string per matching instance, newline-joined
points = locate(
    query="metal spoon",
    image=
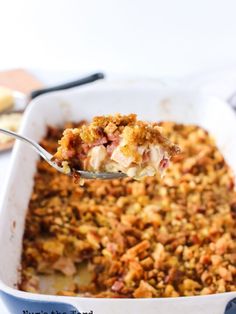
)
(49, 159)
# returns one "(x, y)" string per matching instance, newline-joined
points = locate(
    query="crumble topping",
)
(151, 238)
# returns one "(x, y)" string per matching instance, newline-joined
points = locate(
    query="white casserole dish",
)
(151, 101)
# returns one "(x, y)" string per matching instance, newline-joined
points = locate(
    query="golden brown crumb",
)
(151, 238)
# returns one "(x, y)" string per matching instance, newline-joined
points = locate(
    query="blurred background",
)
(134, 37)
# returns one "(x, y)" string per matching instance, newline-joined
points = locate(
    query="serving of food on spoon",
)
(116, 144)
(110, 147)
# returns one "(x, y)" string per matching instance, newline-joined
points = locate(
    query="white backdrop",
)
(146, 37)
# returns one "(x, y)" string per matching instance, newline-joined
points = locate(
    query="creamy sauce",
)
(51, 284)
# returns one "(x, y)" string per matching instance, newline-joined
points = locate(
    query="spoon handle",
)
(88, 79)
(39, 149)
(48, 157)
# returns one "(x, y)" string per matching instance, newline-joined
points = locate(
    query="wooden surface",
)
(6, 146)
(20, 80)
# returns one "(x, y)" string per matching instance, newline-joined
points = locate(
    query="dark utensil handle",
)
(88, 79)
